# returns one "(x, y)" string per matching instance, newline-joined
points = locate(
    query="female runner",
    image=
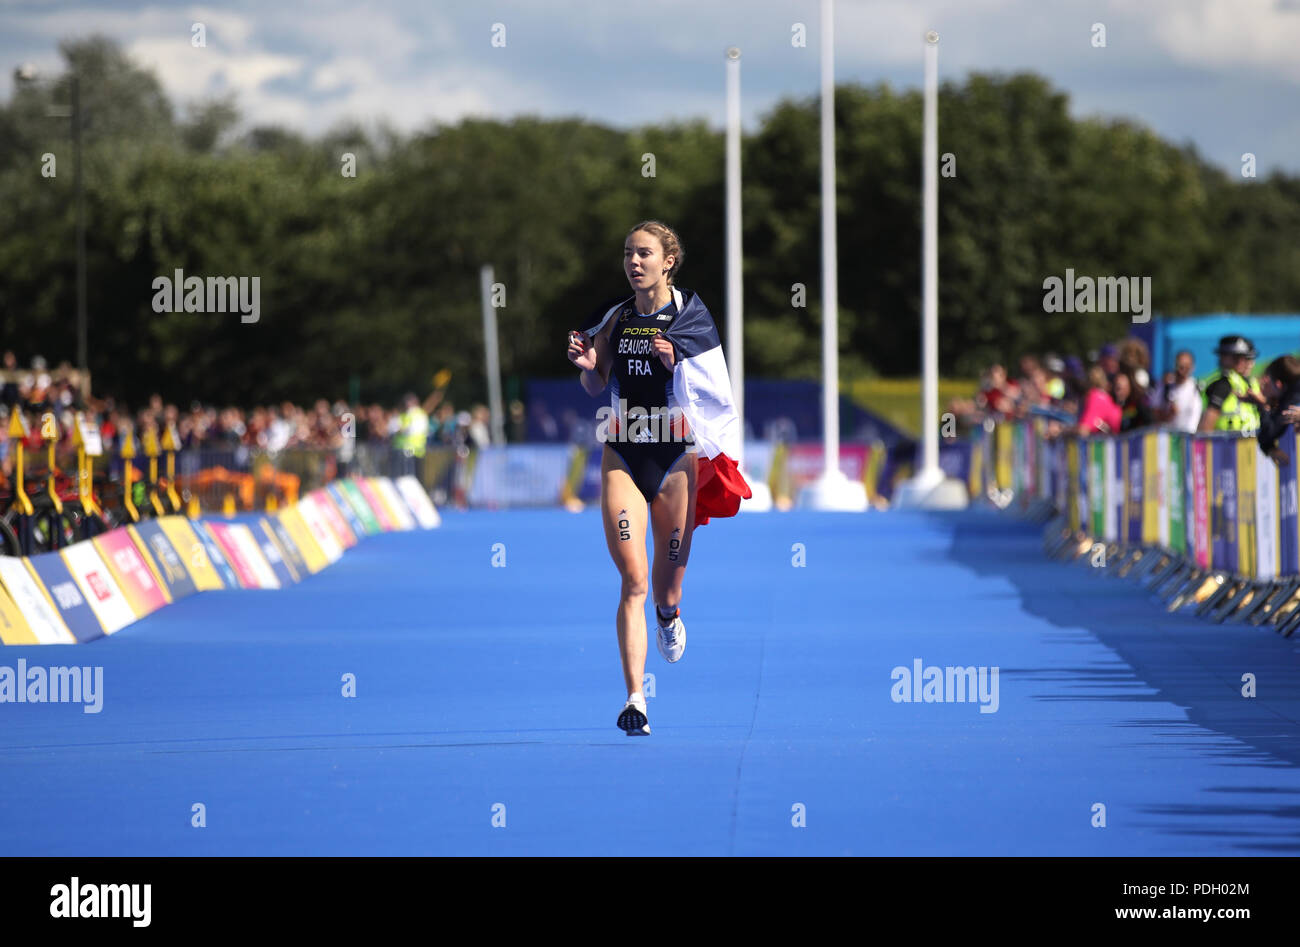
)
(660, 348)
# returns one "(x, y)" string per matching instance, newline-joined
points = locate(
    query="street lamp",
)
(27, 73)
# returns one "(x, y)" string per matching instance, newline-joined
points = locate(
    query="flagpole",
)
(830, 253)
(929, 488)
(761, 501)
(832, 490)
(492, 356)
(735, 289)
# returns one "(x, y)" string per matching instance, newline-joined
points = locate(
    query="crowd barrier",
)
(1204, 519)
(522, 475)
(98, 586)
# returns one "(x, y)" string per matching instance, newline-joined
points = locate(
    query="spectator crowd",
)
(413, 426)
(1113, 392)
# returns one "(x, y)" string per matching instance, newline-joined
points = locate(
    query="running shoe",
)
(632, 720)
(672, 638)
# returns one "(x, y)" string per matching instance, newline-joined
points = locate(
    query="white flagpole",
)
(492, 356)
(830, 273)
(735, 300)
(930, 265)
(833, 490)
(929, 488)
(761, 501)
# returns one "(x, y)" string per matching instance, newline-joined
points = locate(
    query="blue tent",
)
(1272, 335)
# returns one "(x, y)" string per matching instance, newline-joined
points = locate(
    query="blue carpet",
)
(481, 687)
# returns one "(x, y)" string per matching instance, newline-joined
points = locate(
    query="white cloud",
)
(1255, 34)
(191, 72)
(310, 65)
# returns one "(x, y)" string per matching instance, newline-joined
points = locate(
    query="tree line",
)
(369, 264)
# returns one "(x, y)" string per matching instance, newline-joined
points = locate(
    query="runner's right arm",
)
(595, 371)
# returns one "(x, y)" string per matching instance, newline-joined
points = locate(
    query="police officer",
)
(1232, 398)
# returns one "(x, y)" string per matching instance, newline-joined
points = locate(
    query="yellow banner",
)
(13, 626)
(1002, 446)
(1125, 514)
(1072, 484)
(1150, 490)
(303, 539)
(1247, 451)
(192, 552)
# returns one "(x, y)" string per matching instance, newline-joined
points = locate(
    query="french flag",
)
(701, 389)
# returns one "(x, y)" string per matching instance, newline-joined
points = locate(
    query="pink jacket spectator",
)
(1100, 414)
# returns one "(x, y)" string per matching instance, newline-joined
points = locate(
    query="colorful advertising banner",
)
(51, 572)
(168, 565)
(1073, 497)
(979, 446)
(1155, 467)
(97, 585)
(396, 505)
(325, 538)
(427, 515)
(1202, 501)
(131, 571)
(1136, 482)
(344, 506)
(13, 627)
(1002, 440)
(1096, 486)
(1224, 525)
(1176, 493)
(1288, 521)
(1246, 450)
(804, 464)
(255, 556)
(1266, 518)
(333, 519)
(228, 536)
(348, 487)
(40, 613)
(1214, 498)
(217, 556)
(292, 520)
(289, 564)
(1113, 457)
(376, 503)
(532, 475)
(195, 552)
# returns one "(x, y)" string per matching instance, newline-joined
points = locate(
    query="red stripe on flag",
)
(719, 488)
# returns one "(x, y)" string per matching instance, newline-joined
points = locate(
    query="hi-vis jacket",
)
(1237, 413)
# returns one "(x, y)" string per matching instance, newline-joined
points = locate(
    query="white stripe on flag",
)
(702, 390)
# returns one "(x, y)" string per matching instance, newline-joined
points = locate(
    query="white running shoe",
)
(632, 720)
(672, 638)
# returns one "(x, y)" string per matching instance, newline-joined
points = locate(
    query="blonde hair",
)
(668, 239)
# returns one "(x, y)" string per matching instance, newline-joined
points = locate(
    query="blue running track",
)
(480, 685)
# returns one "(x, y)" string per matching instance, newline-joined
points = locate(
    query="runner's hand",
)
(581, 353)
(664, 349)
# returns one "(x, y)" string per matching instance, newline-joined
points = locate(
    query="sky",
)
(1223, 75)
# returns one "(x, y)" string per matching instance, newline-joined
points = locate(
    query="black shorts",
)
(649, 463)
